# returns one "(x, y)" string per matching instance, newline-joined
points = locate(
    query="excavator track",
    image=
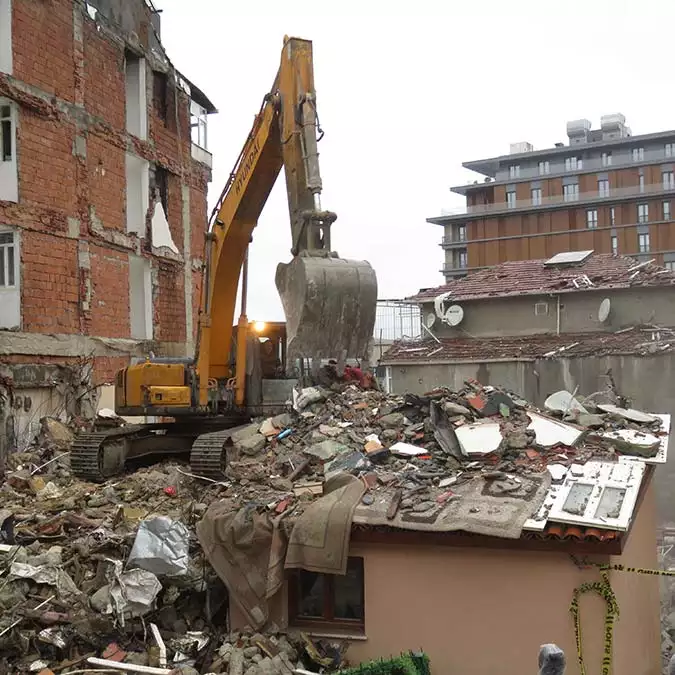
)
(86, 456)
(207, 457)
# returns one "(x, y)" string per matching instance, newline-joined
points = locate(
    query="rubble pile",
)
(125, 571)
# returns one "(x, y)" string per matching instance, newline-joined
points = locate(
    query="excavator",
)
(329, 302)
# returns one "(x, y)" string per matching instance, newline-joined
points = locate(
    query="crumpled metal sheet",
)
(161, 547)
(50, 575)
(131, 593)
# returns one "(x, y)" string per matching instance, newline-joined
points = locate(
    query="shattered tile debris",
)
(137, 571)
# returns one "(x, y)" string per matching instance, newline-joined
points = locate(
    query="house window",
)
(666, 210)
(462, 260)
(606, 159)
(536, 196)
(136, 104)
(461, 233)
(641, 183)
(615, 244)
(9, 178)
(668, 180)
(603, 188)
(544, 168)
(638, 154)
(643, 243)
(670, 149)
(8, 260)
(591, 219)
(514, 171)
(159, 94)
(198, 119)
(612, 216)
(10, 294)
(670, 265)
(571, 192)
(511, 199)
(643, 213)
(330, 600)
(572, 163)
(6, 36)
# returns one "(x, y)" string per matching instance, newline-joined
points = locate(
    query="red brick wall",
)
(49, 277)
(109, 292)
(42, 36)
(170, 303)
(107, 181)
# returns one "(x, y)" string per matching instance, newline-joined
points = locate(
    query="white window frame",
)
(199, 124)
(670, 265)
(9, 177)
(573, 163)
(666, 210)
(670, 149)
(641, 182)
(461, 233)
(612, 215)
(643, 243)
(643, 213)
(603, 187)
(10, 295)
(606, 159)
(462, 260)
(514, 171)
(638, 154)
(600, 476)
(6, 64)
(511, 199)
(571, 192)
(535, 194)
(614, 244)
(544, 168)
(592, 219)
(668, 178)
(4, 259)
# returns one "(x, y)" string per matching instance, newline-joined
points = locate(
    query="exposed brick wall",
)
(198, 222)
(105, 368)
(42, 37)
(175, 211)
(109, 292)
(196, 299)
(170, 303)
(49, 279)
(104, 93)
(107, 180)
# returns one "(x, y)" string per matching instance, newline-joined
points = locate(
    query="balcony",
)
(614, 194)
(454, 241)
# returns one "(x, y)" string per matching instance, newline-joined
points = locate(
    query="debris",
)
(129, 667)
(326, 450)
(161, 547)
(550, 432)
(627, 413)
(407, 450)
(563, 402)
(480, 438)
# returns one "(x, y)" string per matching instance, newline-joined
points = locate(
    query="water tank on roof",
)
(614, 126)
(578, 130)
(517, 148)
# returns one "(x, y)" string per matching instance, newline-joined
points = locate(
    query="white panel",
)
(550, 432)
(136, 94)
(10, 297)
(662, 455)
(138, 193)
(201, 155)
(9, 177)
(140, 297)
(604, 496)
(5, 38)
(568, 257)
(161, 233)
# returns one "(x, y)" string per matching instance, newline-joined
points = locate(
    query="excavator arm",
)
(329, 302)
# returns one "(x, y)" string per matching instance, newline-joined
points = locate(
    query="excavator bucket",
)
(330, 306)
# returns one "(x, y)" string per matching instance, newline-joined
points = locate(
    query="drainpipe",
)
(558, 316)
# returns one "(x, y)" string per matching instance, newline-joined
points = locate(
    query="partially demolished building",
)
(103, 209)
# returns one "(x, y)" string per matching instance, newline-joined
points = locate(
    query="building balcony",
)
(560, 201)
(453, 242)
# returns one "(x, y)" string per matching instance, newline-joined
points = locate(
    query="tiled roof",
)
(532, 277)
(644, 340)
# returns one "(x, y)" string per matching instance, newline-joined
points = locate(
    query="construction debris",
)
(136, 572)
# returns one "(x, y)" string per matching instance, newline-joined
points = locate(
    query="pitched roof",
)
(644, 340)
(532, 277)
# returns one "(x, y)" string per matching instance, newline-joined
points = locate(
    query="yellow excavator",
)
(240, 371)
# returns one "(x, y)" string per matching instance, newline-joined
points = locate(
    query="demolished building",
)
(103, 210)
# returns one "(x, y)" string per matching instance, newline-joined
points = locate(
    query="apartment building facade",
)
(605, 190)
(103, 181)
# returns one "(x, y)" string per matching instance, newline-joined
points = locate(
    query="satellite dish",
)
(603, 311)
(439, 305)
(454, 315)
(430, 320)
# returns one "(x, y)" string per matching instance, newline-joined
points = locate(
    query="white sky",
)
(404, 98)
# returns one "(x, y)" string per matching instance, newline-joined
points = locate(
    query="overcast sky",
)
(404, 98)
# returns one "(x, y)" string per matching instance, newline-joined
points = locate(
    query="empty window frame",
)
(160, 87)
(571, 192)
(603, 187)
(536, 196)
(591, 219)
(573, 163)
(643, 213)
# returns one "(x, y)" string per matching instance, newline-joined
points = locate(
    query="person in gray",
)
(551, 660)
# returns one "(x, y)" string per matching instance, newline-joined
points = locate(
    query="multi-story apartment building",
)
(606, 190)
(103, 179)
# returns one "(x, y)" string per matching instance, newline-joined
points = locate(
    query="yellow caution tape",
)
(604, 589)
